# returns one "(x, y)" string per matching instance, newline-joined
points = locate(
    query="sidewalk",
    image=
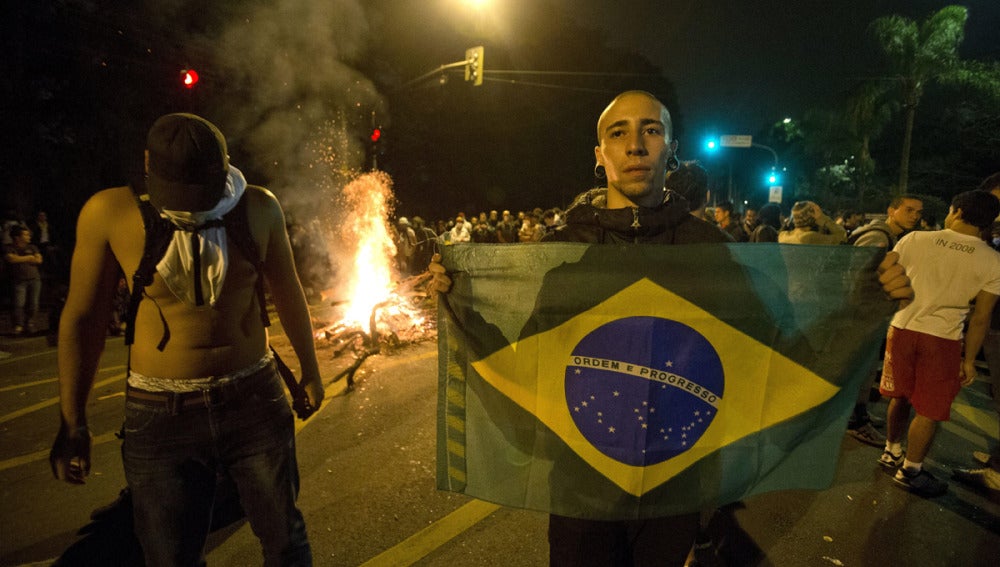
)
(25, 344)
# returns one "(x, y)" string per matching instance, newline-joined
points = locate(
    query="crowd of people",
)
(805, 223)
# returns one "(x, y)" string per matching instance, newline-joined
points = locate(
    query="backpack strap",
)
(861, 231)
(158, 233)
(237, 222)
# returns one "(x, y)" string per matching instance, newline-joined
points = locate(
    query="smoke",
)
(298, 108)
(296, 103)
(285, 88)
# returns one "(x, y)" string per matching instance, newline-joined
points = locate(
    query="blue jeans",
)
(26, 294)
(172, 459)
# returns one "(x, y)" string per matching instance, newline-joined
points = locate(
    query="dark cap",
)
(188, 163)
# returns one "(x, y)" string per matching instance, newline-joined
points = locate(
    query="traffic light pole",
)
(429, 74)
(768, 148)
(474, 57)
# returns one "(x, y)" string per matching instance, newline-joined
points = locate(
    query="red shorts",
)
(923, 369)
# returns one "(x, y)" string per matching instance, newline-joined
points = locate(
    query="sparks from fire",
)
(369, 199)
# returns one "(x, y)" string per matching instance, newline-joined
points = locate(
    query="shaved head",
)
(602, 124)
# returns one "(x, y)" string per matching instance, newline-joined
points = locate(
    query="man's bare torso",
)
(204, 341)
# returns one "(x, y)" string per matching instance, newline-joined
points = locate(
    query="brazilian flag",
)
(633, 381)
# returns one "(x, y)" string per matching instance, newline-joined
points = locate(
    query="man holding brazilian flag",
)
(615, 382)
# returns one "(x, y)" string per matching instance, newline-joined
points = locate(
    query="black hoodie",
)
(589, 220)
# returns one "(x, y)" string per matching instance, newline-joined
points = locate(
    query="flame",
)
(369, 199)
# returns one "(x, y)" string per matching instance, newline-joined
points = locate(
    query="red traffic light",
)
(376, 134)
(189, 77)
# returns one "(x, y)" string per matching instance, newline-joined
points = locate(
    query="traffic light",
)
(189, 78)
(711, 144)
(773, 178)
(375, 137)
(474, 65)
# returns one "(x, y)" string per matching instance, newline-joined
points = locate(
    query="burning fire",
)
(376, 307)
(369, 198)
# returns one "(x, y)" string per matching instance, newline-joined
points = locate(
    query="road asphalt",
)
(369, 495)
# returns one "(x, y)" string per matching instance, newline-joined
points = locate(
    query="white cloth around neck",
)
(177, 264)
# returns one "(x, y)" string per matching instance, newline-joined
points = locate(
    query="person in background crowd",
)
(460, 232)
(690, 180)
(811, 226)
(903, 215)
(531, 230)
(426, 239)
(850, 220)
(481, 231)
(406, 244)
(551, 220)
(750, 220)
(507, 229)
(11, 218)
(41, 228)
(728, 222)
(23, 259)
(924, 362)
(768, 224)
(987, 475)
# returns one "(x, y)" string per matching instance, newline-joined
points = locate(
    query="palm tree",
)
(921, 53)
(869, 110)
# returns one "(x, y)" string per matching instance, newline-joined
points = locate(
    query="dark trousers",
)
(172, 457)
(659, 542)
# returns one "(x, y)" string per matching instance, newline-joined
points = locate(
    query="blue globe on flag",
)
(643, 390)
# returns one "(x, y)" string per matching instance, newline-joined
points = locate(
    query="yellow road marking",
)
(407, 552)
(26, 356)
(985, 420)
(53, 401)
(422, 543)
(44, 454)
(28, 384)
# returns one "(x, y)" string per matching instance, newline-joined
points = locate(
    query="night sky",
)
(741, 64)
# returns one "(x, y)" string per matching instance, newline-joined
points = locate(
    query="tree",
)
(923, 53)
(868, 111)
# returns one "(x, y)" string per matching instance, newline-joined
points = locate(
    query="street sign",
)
(736, 141)
(775, 195)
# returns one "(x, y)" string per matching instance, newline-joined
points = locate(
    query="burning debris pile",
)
(374, 311)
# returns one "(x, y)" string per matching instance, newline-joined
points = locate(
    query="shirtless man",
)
(210, 400)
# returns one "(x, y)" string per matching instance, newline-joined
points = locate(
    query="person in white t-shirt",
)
(924, 364)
